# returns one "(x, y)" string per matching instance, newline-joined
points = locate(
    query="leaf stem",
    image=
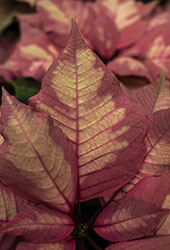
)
(79, 210)
(91, 220)
(95, 246)
(81, 245)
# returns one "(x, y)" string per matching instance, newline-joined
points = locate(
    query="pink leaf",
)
(39, 158)
(58, 16)
(40, 224)
(158, 20)
(132, 33)
(125, 12)
(66, 245)
(7, 241)
(154, 49)
(153, 97)
(157, 141)
(104, 35)
(154, 190)
(151, 243)
(86, 102)
(128, 219)
(10, 203)
(164, 227)
(124, 65)
(32, 56)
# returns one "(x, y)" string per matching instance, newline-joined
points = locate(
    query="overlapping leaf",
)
(70, 245)
(153, 97)
(154, 190)
(154, 49)
(157, 142)
(58, 16)
(124, 66)
(151, 243)
(157, 162)
(126, 12)
(128, 16)
(164, 227)
(104, 34)
(150, 191)
(98, 30)
(10, 203)
(41, 225)
(39, 158)
(32, 56)
(129, 219)
(132, 33)
(159, 20)
(6, 48)
(87, 103)
(7, 241)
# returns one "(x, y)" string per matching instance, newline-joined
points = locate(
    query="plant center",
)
(81, 230)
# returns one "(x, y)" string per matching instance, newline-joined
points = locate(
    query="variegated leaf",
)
(39, 158)
(129, 219)
(86, 102)
(40, 224)
(151, 243)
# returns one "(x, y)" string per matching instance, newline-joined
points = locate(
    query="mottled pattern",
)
(41, 163)
(87, 103)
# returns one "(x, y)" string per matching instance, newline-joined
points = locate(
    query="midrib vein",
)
(77, 113)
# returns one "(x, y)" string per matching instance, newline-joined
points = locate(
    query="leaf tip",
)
(73, 24)
(4, 91)
(75, 30)
(5, 95)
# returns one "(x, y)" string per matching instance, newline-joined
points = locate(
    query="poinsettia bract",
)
(80, 139)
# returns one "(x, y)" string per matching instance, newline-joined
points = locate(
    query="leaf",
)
(151, 243)
(132, 33)
(163, 97)
(40, 224)
(104, 35)
(126, 13)
(6, 48)
(86, 102)
(153, 97)
(10, 203)
(25, 88)
(159, 20)
(154, 190)
(154, 49)
(32, 56)
(164, 227)
(70, 245)
(157, 160)
(129, 219)
(156, 163)
(130, 18)
(58, 16)
(124, 66)
(39, 158)
(7, 241)
(148, 185)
